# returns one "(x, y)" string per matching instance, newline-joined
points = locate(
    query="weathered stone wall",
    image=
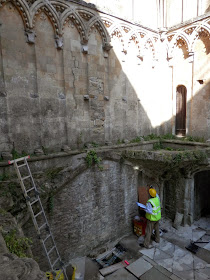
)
(89, 208)
(62, 83)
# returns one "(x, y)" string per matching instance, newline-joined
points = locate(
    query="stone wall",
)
(62, 83)
(89, 209)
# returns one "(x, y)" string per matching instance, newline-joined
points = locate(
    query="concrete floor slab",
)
(121, 274)
(185, 275)
(186, 260)
(166, 263)
(200, 276)
(203, 223)
(180, 266)
(174, 277)
(139, 267)
(199, 264)
(204, 238)
(206, 271)
(197, 234)
(152, 274)
(179, 253)
(167, 247)
(207, 246)
(148, 252)
(163, 270)
(160, 255)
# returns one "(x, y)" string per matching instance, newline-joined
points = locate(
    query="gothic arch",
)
(99, 25)
(179, 39)
(72, 15)
(50, 12)
(133, 36)
(117, 32)
(150, 44)
(201, 29)
(22, 8)
(108, 22)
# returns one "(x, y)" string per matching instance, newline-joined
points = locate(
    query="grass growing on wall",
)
(92, 159)
(17, 245)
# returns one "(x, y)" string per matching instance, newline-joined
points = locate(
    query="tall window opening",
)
(181, 97)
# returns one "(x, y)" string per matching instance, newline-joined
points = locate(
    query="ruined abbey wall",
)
(70, 75)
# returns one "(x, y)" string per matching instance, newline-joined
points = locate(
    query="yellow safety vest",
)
(156, 210)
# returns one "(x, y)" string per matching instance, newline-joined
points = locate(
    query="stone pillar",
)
(189, 118)
(189, 202)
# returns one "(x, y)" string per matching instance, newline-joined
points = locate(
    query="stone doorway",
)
(202, 194)
(181, 97)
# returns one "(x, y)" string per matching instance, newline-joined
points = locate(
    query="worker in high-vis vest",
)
(153, 215)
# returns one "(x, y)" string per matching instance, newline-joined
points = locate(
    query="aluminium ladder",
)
(39, 218)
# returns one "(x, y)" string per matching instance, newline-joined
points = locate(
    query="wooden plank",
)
(110, 269)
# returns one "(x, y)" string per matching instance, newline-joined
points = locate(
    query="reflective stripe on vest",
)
(156, 210)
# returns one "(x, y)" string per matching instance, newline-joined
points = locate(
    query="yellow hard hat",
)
(152, 192)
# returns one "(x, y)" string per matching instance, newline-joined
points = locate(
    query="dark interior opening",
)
(202, 194)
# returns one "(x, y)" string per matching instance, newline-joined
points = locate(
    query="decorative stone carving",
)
(85, 49)
(107, 47)
(86, 97)
(78, 23)
(59, 42)
(191, 57)
(61, 95)
(30, 36)
(96, 86)
(163, 35)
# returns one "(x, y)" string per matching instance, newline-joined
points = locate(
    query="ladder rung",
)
(46, 238)
(42, 226)
(58, 259)
(26, 177)
(34, 201)
(38, 214)
(18, 159)
(21, 165)
(51, 250)
(30, 189)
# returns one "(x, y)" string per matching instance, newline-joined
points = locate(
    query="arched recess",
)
(50, 12)
(180, 40)
(201, 191)
(77, 21)
(181, 97)
(202, 33)
(97, 23)
(22, 8)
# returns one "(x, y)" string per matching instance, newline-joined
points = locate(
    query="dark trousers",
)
(150, 226)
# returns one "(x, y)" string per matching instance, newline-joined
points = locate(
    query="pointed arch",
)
(99, 25)
(23, 9)
(179, 38)
(73, 16)
(50, 12)
(201, 29)
(117, 32)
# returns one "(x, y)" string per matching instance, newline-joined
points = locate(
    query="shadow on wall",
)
(51, 97)
(67, 86)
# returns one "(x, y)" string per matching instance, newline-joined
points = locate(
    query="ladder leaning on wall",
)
(38, 215)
